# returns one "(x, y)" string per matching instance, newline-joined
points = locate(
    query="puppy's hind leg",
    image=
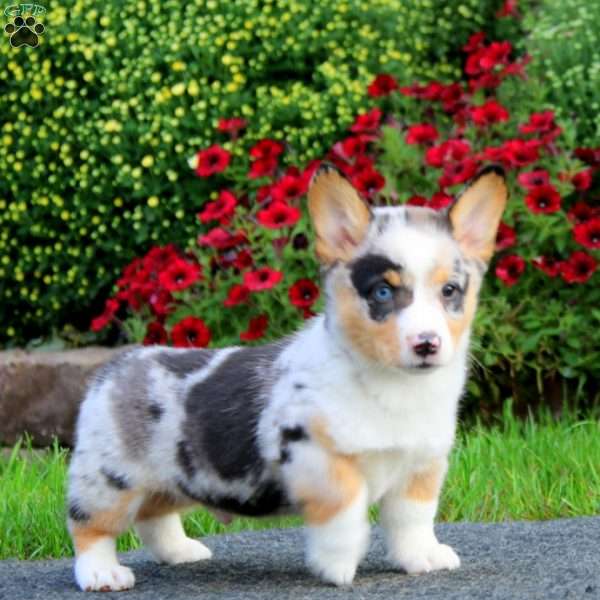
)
(161, 530)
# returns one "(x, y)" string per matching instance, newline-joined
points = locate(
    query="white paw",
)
(339, 571)
(188, 550)
(103, 578)
(432, 557)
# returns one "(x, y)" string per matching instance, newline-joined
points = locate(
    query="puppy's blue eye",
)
(382, 293)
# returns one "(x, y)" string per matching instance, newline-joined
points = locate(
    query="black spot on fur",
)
(293, 434)
(76, 513)
(268, 499)
(184, 362)
(382, 222)
(185, 459)
(366, 273)
(156, 411)
(284, 455)
(223, 412)
(299, 386)
(116, 481)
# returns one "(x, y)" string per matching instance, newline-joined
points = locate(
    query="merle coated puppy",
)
(358, 407)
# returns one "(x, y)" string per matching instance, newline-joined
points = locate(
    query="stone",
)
(40, 392)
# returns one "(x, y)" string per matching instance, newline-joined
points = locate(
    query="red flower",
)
(159, 257)
(111, 306)
(450, 150)
(514, 153)
(303, 293)
(432, 91)
(221, 239)
(506, 237)
(582, 180)
(591, 156)
(220, 210)
(368, 182)
(262, 168)
(475, 42)
(543, 199)
(212, 160)
(417, 201)
(508, 9)
(352, 146)
(547, 265)
(367, 122)
(452, 97)
(489, 113)
(155, 334)
(458, 172)
(256, 328)
(262, 279)
(581, 212)
(382, 85)
(486, 58)
(439, 201)
(542, 122)
(160, 301)
(238, 294)
(517, 68)
(422, 133)
(277, 215)
(533, 179)
(179, 275)
(243, 260)
(232, 126)
(588, 233)
(578, 268)
(190, 332)
(266, 150)
(510, 268)
(289, 187)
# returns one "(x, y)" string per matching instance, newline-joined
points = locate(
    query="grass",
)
(539, 470)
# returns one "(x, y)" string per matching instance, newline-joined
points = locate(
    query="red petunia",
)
(211, 161)
(506, 237)
(450, 150)
(222, 209)
(289, 187)
(423, 133)
(159, 257)
(256, 328)
(221, 239)
(160, 302)
(155, 334)
(533, 179)
(452, 97)
(111, 306)
(190, 332)
(232, 126)
(458, 172)
(547, 265)
(417, 201)
(508, 9)
(264, 278)
(367, 122)
(541, 122)
(588, 233)
(179, 275)
(591, 156)
(543, 199)
(243, 260)
(353, 146)
(578, 268)
(581, 212)
(489, 113)
(514, 154)
(278, 214)
(582, 180)
(303, 293)
(439, 200)
(262, 167)
(238, 294)
(383, 85)
(510, 268)
(474, 42)
(368, 182)
(266, 150)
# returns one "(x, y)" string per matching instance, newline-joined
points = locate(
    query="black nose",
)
(428, 344)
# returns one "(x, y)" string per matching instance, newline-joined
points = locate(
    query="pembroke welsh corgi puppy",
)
(358, 407)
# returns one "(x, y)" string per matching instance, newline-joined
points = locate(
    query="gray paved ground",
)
(545, 561)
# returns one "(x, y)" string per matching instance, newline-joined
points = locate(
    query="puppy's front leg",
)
(407, 514)
(333, 496)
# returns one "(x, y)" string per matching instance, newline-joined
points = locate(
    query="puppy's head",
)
(402, 282)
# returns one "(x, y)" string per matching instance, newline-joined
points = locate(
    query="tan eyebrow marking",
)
(393, 277)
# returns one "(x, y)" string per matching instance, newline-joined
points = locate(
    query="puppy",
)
(358, 407)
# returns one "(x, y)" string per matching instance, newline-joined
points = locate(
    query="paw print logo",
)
(24, 32)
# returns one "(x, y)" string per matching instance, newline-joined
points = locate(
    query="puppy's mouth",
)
(420, 368)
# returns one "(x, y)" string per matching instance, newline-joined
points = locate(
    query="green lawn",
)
(517, 470)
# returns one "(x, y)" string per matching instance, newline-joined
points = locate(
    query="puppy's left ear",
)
(476, 214)
(340, 218)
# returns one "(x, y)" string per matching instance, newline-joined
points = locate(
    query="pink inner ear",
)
(344, 238)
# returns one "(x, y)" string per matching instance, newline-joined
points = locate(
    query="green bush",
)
(100, 119)
(565, 41)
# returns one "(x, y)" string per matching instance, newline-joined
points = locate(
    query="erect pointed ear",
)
(476, 214)
(339, 216)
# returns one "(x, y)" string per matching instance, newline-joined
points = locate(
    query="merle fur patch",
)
(185, 459)
(184, 362)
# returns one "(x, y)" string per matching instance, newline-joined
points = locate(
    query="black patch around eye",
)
(368, 270)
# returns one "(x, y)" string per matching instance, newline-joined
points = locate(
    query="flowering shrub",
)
(98, 120)
(253, 274)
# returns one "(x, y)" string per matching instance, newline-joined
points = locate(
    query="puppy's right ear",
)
(340, 218)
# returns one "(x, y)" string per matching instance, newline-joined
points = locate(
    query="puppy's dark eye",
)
(382, 292)
(449, 290)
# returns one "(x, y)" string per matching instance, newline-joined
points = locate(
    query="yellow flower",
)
(147, 161)
(153, 201)
(112, 125)
(178, 89)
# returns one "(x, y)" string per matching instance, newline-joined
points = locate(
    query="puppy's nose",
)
(425, 344)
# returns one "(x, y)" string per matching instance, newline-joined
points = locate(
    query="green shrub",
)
(565, 40)
(100, 119)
